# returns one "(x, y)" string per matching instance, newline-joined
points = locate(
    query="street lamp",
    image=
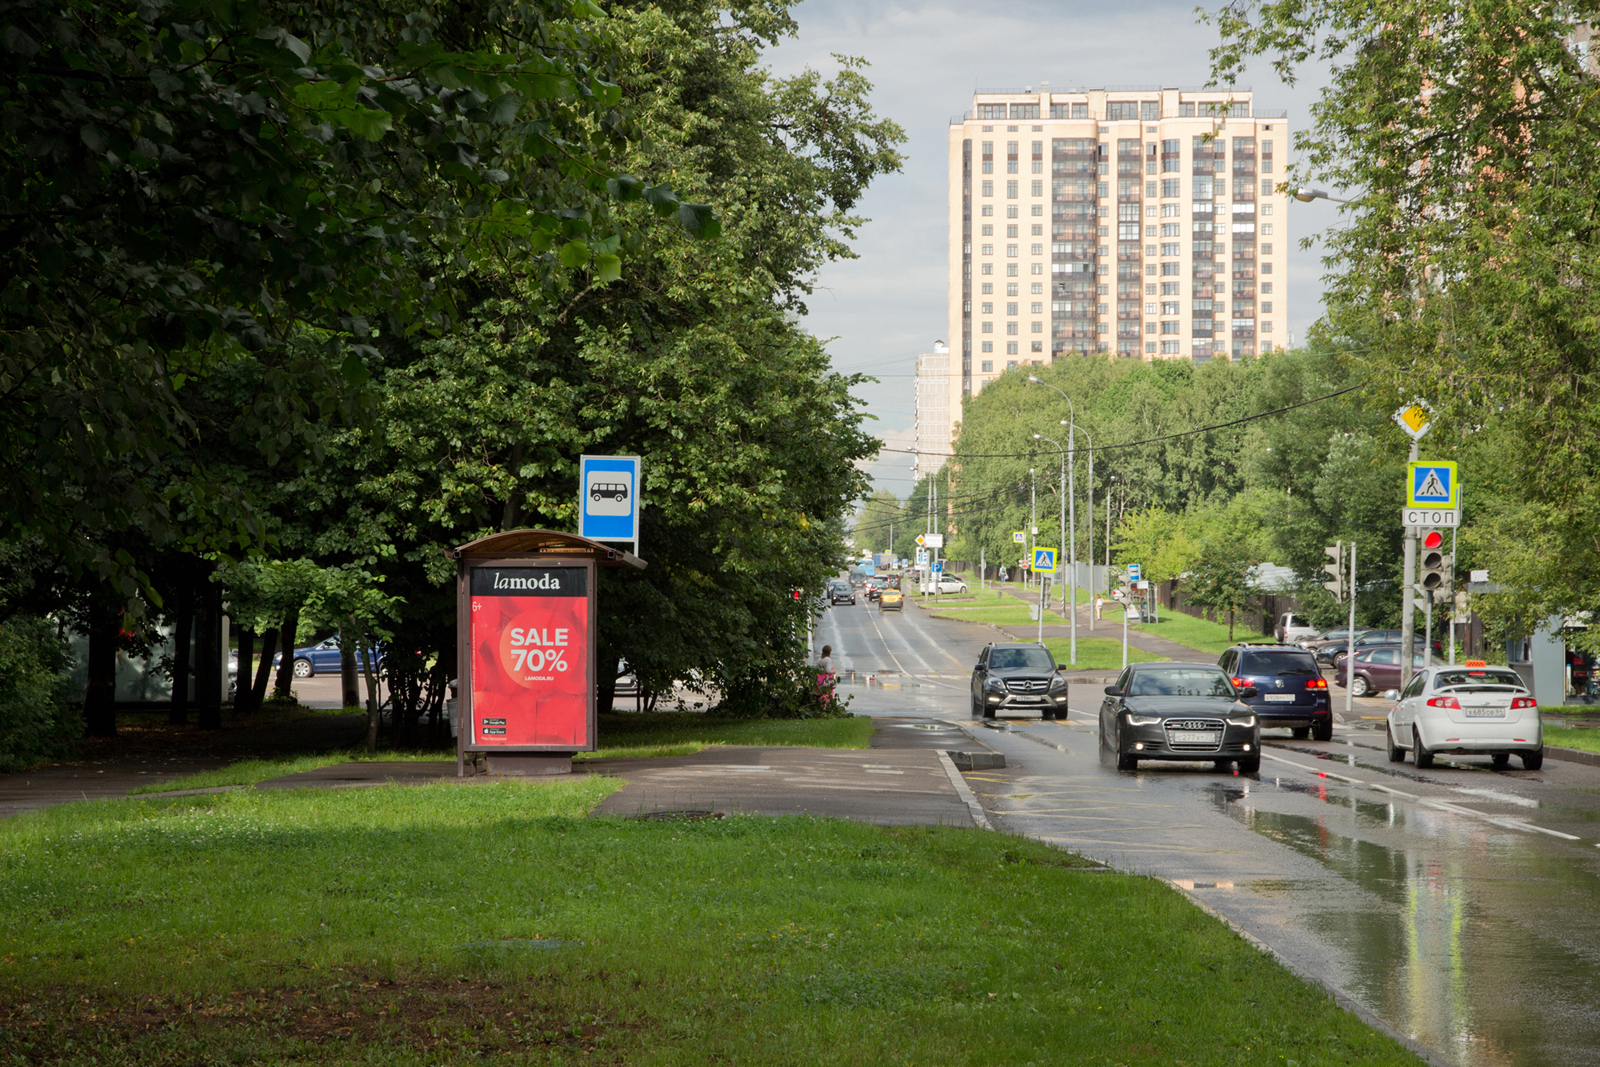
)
(1073, 659)
(1090, 524)
(1072, 514)
(1306, 195)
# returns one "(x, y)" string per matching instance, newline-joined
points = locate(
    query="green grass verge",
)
(453, 924)
(654, 734)
(1201, 635)
(1013, 614)
(1568, 737)
(1098, 653)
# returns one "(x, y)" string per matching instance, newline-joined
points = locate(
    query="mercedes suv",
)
(1016, 677)
(1290, 690)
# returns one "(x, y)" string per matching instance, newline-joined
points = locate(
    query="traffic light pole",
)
(1452, 597)
(1408, 624)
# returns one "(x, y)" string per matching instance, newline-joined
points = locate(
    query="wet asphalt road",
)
(1460, 905)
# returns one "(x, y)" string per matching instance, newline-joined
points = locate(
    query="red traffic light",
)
(1432, 539)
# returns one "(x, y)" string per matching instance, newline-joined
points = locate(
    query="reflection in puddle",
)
(1475, 942)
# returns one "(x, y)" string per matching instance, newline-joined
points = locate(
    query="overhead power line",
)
(1133, 444)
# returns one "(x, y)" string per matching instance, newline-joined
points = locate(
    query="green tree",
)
(1158, 541)
(1464, 273)
(1219, 577)
(877, 520)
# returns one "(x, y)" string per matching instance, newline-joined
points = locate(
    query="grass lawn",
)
(1099, 653)
(451, 924)
(1011, 614)
(1570, 737)
(653, 734)
(1199, 634)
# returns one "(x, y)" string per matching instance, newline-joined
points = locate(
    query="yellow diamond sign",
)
(1415, 419)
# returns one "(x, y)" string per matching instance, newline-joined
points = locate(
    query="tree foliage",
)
(1466, 270)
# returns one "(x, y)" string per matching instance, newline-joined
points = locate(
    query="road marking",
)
(1441, 805)
(979, 819)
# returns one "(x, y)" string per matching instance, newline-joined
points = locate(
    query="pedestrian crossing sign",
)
(1017, 537)
(1044, 561)
(1431, 484)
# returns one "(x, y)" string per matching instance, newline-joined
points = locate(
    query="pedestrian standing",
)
(1099, 604)
(825, 674)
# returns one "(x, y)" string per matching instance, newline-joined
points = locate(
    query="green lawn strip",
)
(1098, 653)
(1201, 635)
(1570, 737)
(450, 924)
(653, 734)
(1006, 615)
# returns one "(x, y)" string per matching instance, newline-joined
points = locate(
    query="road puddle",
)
(1476, 942)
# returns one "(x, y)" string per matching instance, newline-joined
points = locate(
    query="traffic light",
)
(1335, 570)
(1436, 566)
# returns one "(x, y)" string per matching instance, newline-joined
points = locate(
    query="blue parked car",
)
(320, 658)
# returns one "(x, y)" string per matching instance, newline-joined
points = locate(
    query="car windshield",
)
(1010, 658)
(1492, 681)
(1280, 664)
(1181, 682)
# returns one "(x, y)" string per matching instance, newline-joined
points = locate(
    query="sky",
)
(879, 310)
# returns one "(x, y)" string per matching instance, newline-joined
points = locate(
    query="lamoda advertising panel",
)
(530, 652)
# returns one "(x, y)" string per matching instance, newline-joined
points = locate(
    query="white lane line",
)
(1441, 805)
(886, 647)
(979, 819)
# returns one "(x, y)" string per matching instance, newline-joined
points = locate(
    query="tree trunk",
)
(283, 688)
(241, 687)
(182, 660)
(372, 694)
(208, 668)
(1230, 626)
(105, 626)
(258, 689)
(350, 686)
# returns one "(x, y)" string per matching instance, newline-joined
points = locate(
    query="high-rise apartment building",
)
(1132, 223)
(933, 408)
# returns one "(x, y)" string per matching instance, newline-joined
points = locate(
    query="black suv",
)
(1290, 690)
(841, 592)
(1016, 677)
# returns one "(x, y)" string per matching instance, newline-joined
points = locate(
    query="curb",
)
(1573, 755)
(979, 819)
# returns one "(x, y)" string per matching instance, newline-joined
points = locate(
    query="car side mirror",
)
(1061, 666)
(1113, 691)
(1391, 694)
(1247, 692)
(980, 667)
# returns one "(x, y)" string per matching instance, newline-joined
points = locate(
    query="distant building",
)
(1137, 223)
(933, 408)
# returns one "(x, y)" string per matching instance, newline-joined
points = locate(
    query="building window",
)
(1036, 268)
(1024, 111)
(987, 306)
(1149, 327)
(1266, 288)
(1171, 348)
(1011, 213)
(1037, 307)
(1121, 110)
(1266, 307)
(1171, 289)
(1011, 350)
(1266, 187)
(1266, 228)
(987, 250)
(1037, 231)
(1149, 110)
(988, 188)
(1266, 327)
(1011, 329)
(1080, 111)
(988, 268)
(1186, 111)
(1011, 306)
(1172, 326)
(1011, 270)
(1170, 268)
(1036, 346)
(1011, 250)
(991, 111)
(1038, 187)
(1011, 190)
(1266, 249)
(987, 365)
(987, 327)
(988, 229)
(1038, 327)
(1266, 268)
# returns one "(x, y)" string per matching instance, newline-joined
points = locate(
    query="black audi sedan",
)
(1179, 711)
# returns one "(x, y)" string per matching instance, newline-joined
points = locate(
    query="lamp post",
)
(1072, 514)
(1090, 524)
(1306, 195)
(1073, 648)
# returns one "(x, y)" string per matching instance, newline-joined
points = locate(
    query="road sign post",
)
(608, 499)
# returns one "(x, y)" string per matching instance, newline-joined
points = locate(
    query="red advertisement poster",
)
(530, 656)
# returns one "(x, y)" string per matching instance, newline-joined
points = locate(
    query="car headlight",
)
(1142, 720)
(996, 685)
(1241, 720)
(1058, 682)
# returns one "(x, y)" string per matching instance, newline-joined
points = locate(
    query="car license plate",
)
(1484, 713)
(1194, 737)
(1280, 698)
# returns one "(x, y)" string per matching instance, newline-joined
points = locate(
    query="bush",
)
(36, 722)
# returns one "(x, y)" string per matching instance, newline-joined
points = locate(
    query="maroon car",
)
(1378, 669)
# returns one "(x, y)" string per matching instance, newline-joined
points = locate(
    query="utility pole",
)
(1033, 527)
(1408, 625)
(1091, 537)
(1072, 552)
(1350, 639)
(1452, 597)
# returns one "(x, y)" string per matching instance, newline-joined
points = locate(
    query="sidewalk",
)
(1106, 628)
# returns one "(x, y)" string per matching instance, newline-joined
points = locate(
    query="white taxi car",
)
(1473, 709)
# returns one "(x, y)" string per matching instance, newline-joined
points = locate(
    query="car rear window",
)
(1279, 664)
(1475, 677)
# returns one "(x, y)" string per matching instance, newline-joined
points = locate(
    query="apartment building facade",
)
(1125, 223)
(933, 423)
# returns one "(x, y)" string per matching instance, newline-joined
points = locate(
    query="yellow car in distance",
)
(891, 600)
